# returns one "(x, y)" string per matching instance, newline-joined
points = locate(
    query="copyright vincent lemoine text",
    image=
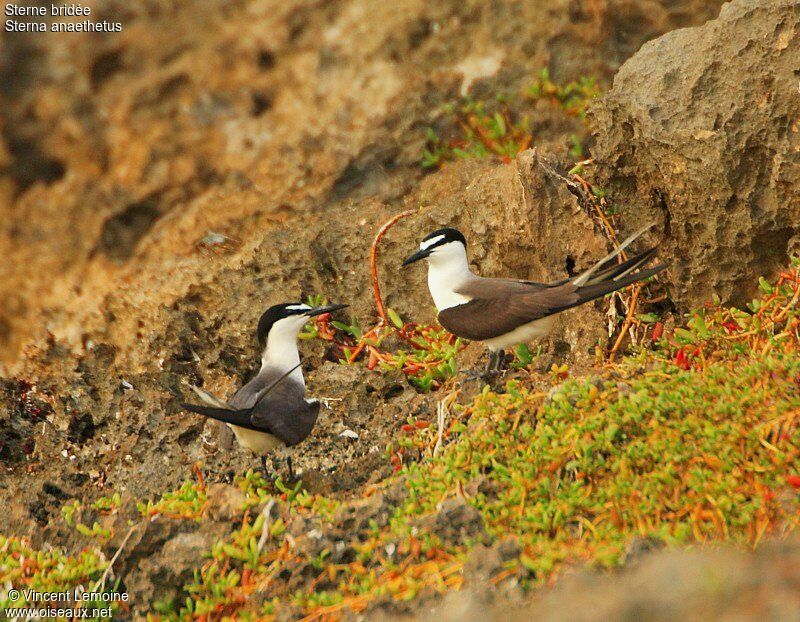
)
(72, 604)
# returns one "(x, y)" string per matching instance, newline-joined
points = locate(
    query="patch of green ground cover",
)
(430, 362)
(26, 568)
(252, 556)
(52, 570)
(574, 97)
(480, 133)
(501, 128)
(673, 455)
(185, 503)
(695, 441)
(691, 442)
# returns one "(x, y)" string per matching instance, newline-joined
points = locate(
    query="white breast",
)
(441, 288)
(446, 274)
(448, 270)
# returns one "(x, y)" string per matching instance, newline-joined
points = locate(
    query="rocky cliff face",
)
(119, 153)
(701, 132)
(162, 186)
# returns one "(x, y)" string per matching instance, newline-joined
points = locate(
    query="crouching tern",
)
(271, 411)
(505, 312)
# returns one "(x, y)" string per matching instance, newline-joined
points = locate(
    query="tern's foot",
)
(484, 375)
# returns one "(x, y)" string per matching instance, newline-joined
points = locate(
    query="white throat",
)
(448, 269)
(281, 350)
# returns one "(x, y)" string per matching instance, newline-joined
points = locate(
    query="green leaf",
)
(395, 318)
(84, 530)
(501, 124)
(523, 354)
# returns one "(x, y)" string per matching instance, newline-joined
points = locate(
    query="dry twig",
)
(101, 582)
(262, 541)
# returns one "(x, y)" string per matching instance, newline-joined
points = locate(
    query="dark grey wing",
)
(247, 395)
(503, 308)
(498, 288)
(507, 309)
(285, 413)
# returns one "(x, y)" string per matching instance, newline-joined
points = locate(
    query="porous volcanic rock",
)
(121, 152)
(701, 131)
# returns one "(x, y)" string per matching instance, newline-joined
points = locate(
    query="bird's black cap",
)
(288, 309)
(432, 240)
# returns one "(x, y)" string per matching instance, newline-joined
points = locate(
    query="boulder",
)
(701, 132)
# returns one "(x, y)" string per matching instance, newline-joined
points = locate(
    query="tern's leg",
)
(264, 468)
(495, 361)
(492, 367)
(291, 470)
(487, 372)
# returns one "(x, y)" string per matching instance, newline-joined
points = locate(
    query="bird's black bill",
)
(416, 257)
(326, 309)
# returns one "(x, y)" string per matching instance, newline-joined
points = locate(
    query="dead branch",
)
(265, 512)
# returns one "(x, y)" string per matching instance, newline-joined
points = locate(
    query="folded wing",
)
(498, 306)
(272, 402)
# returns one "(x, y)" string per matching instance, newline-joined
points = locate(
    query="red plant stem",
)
(627, 323)
(373, 263)
(362, 343)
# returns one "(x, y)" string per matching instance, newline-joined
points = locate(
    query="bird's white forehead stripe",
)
(426, 244)
(298, 307)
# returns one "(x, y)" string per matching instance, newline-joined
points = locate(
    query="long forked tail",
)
(595, 275)
(608, 285)
(616, 272)
(239, 418)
